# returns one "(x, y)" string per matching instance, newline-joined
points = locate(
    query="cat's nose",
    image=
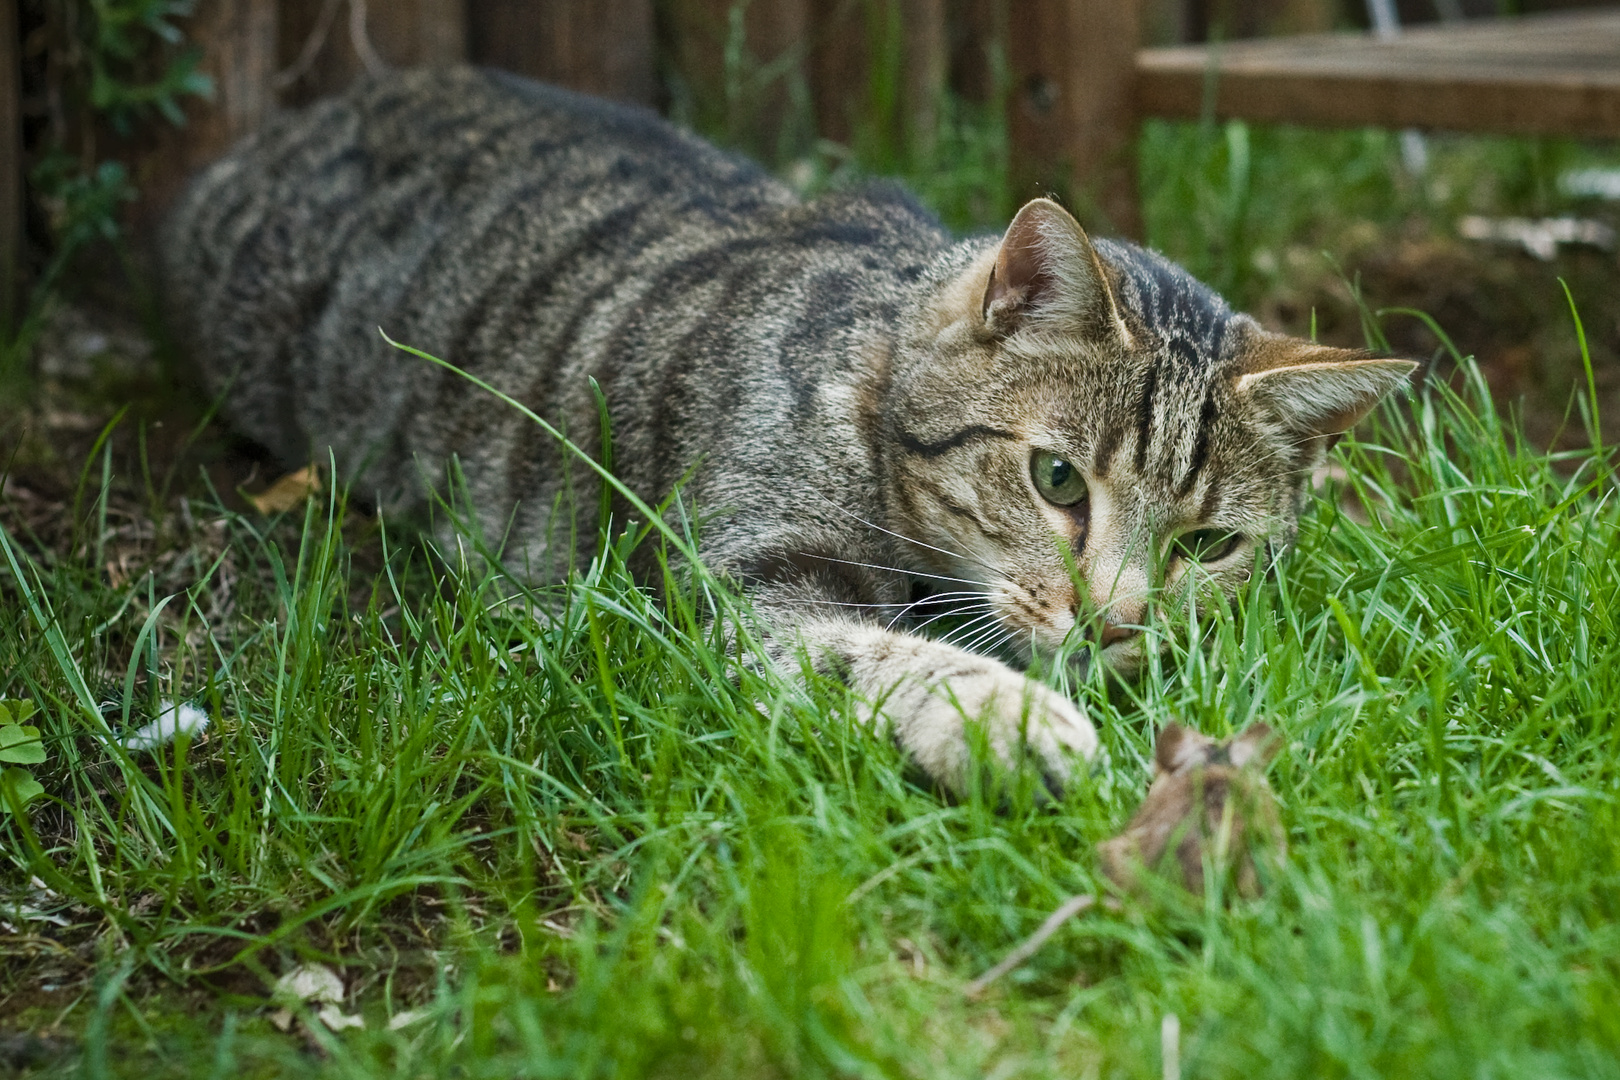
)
(1112, 632)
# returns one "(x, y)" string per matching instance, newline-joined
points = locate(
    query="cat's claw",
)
(1020, 720)
(1057, 734)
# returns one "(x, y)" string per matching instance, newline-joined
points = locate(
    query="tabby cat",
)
(1040, 432)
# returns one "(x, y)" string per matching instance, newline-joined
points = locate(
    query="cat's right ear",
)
(1048, 271)
(1318, 391)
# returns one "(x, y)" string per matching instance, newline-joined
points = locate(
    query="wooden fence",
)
(1072, 80)
(1069, 65)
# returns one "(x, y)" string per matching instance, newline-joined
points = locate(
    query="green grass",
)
(595, 843)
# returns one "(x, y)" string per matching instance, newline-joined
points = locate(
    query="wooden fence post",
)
(410, 33)
(735, 80)
(843, 34)
(1072, 111)
(838, 66)
(328, 43)
(238, 43)
(925, 70)
(11, 162)
(603, 47)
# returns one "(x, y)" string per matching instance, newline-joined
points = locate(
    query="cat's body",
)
(852, 398)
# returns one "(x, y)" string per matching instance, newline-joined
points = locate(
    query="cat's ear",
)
(1047, 269)
(1317, 390)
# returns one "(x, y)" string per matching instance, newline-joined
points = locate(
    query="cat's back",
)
(460, 209)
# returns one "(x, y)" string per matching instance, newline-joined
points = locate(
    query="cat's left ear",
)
(1048, 272)
(1317, 390)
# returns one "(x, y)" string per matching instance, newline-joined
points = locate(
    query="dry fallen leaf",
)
(309, 982)
(406, 1019)
(288, 492)
(336, 1019)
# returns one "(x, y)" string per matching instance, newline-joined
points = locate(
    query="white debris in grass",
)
(1541, 237)
(312, 984)
(1591, 183)
(336, 1019)
(405, 1019)
(309, 982)
(173, 720)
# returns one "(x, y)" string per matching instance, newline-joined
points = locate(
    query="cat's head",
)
(1089, 431)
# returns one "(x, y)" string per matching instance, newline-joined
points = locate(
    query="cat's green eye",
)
(1206, 545)
(1058, 481)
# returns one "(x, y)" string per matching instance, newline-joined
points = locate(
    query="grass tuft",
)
(580, 831)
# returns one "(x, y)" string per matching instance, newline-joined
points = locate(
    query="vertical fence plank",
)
(838, 66)
(410, 33)
(1072, 119)
(604, 47)
(974, 29)
(238, 38)
(924, 71)
(878, 70)
(11, 162)
(739, 71)
(238, 42)
(1204, 19)
(331, 42)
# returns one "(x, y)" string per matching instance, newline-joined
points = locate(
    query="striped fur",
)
(854, 396)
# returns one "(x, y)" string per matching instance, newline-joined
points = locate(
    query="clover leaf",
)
(20, 744)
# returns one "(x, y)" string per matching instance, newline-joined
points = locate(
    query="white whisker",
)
(891, 569)
(968, 610)
(967, 627)
(936, 598)
(955, 599)
(836, 603)
(995, 636)
(902, 536)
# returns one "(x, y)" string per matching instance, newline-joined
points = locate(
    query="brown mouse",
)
(1209, 799)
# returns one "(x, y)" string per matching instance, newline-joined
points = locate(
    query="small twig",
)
(311, 49)
(1071, 907)
(362, 41)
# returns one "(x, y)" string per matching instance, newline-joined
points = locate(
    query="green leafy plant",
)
(20, 745)
(116, 64)
(123, 59)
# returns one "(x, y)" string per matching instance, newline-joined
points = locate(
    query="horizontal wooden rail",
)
(1537, 75)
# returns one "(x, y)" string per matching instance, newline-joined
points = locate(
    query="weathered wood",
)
(326, 44)
(604, 47)
(1226, 20)
(11, 162)
(1071, 117)
(837, 66)
(737, 68)
(901, 104)
(411, 33)
(973, 29)
(924, 69)
(1550, 74)
(238, 43)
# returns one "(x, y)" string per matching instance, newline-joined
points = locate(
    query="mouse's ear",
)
(1178, 746)
(1257, 745)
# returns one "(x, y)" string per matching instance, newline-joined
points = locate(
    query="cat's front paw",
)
(1025, 721)
(1022, 722)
